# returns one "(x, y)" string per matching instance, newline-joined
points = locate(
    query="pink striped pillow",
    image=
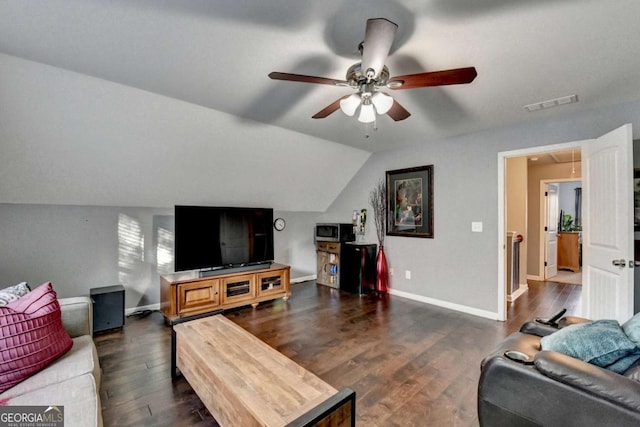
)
(31, 335)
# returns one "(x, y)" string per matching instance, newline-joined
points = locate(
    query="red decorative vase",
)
(382, 272)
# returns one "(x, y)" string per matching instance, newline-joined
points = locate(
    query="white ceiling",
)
(217, 54)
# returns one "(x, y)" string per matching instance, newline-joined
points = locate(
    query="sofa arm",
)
(542, 329)
(77, 315)
(537, 329)
(590, 378)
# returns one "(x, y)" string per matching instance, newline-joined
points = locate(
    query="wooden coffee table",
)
(244, 382)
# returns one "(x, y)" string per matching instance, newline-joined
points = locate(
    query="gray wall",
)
(294, 245)
(77, 247)
(459, 267)
(81, 247)
(71, 139)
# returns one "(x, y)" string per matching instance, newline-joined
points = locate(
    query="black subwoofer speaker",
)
(108, 308)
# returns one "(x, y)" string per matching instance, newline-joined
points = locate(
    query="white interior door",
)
(551, 231)
(608, 226)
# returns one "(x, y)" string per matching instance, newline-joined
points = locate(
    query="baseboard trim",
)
(445, 304)
(536, 278)
(152, 307)
(303, 279)
(402, 294)
(521, 290)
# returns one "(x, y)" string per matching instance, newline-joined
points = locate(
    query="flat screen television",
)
(209, 238)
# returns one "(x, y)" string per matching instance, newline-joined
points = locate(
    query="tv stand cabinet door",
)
(238, 288)
(198, 297)
(273, 282)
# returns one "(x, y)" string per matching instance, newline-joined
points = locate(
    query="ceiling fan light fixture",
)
(350, 105)
(382, 102)
(367, 113)
(371, 75)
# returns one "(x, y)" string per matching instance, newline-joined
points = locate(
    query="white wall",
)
(458, 268)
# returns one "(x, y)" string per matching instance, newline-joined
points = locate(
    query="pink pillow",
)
(31, 335)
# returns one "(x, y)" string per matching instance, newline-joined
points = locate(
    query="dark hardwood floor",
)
(411, 364)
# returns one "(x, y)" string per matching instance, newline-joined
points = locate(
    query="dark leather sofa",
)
(552, 389)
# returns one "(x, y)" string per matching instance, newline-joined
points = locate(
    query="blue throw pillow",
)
(602, 343)
(632, 328)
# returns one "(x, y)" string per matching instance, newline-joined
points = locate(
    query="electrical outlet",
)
(407, 274)
(391, 271)
(476, 226)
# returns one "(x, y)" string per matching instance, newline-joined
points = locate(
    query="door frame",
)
(502, 199)
(541, 249)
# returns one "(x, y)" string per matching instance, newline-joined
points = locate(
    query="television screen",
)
(209, 237)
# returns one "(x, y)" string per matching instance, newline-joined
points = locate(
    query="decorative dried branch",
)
(378, 201)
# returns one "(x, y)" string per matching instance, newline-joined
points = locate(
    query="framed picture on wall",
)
(410, 202)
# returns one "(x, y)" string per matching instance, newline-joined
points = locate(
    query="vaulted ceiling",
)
(217, 54)
(162, 102)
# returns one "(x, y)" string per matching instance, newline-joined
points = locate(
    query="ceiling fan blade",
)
(329, 109)
(397, 112)
(378, 39)
(306, 79)
(435, 78)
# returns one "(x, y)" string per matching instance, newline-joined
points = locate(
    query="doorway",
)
(547, 164)
(561, 253)
(607, 217)
(534, 206)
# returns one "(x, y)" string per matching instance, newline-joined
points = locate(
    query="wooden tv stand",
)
(187, 294)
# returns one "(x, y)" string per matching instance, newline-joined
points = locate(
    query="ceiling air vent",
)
(570, 99)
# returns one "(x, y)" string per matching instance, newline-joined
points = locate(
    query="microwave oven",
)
(334, 232)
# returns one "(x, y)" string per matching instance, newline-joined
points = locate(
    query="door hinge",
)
(545, 263)
(546, 229)
(546, 194)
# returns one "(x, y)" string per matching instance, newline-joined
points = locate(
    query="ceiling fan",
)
(370, 76)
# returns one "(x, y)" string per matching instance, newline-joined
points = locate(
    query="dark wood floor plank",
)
(410, 363)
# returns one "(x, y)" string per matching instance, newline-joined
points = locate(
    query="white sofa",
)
(73, 380)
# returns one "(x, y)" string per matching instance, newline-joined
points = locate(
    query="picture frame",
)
(410, 202)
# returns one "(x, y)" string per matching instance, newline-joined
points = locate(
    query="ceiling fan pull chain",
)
(367, 128)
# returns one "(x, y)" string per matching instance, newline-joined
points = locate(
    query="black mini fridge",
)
(358, 271)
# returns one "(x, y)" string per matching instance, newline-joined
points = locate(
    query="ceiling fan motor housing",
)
(356, 77)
